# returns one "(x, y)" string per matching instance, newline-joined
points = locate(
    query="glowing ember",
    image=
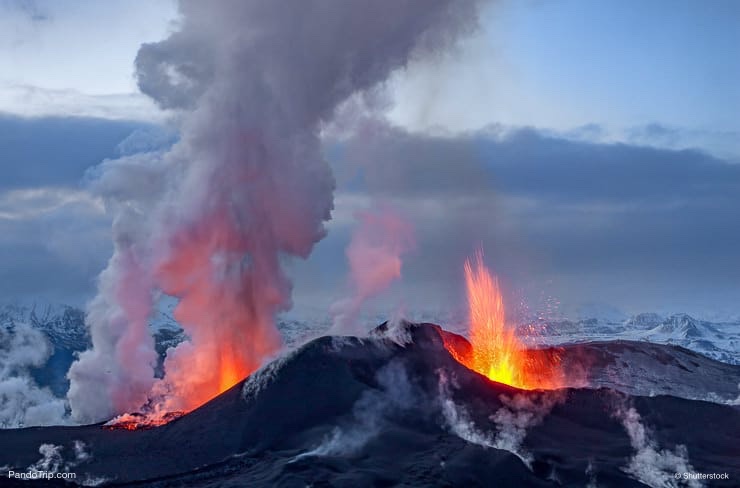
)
(496, 351)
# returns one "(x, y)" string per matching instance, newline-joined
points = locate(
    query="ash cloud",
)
(245, 188)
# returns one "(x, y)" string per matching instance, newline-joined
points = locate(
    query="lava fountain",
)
(495, 349)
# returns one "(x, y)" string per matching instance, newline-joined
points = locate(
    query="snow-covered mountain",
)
(65, 329)
(717, 340)
(63, 324)
(370, 412)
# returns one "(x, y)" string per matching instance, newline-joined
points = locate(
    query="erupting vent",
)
(496, 352)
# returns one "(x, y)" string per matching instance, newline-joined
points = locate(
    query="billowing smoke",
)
(22, 402)
(651, 465)
(251, 83)
(374, 256)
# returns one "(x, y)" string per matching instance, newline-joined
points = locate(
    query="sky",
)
(591, 148)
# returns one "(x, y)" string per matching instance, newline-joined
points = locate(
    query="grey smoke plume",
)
(252, 84)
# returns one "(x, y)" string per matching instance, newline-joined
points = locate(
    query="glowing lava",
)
(496, 352)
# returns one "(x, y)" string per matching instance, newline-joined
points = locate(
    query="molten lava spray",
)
(209, 221)
(496, 351)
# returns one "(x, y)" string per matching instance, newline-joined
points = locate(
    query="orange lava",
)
(231, 371)
(496, 352)
(137, 421)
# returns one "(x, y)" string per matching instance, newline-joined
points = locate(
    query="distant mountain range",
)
(395, 409)
(717, 340)
(64, 326)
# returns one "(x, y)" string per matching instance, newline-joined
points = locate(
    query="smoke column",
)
(374, 256)
(251, 84)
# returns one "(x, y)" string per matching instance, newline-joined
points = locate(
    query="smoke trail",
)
(520, 413)
(651, 465)
(456, 416)
(252, 84)
(370, 413)
(374, 256)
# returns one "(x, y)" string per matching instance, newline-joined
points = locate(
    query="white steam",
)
(457, 417)
(52, 459)
(22, 402)
(651, 465)
(252, 83)
(518, 414)
(369, 413)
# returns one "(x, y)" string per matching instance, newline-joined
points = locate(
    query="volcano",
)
(396, 408)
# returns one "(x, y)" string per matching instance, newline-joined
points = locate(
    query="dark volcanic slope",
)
(644, 368)
(352, 412)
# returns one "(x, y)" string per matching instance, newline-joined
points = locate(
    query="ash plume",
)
(251, 84)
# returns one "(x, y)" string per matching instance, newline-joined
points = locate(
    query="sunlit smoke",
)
(374, 257)
(246, 186)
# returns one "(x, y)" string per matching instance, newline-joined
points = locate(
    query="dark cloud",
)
(527, 163)
(54, 234)
(56, 151)
(53, 244)
(724, 143)
(637, 226)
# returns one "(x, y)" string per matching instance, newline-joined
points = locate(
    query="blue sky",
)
(565, 64)
(548, 97)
